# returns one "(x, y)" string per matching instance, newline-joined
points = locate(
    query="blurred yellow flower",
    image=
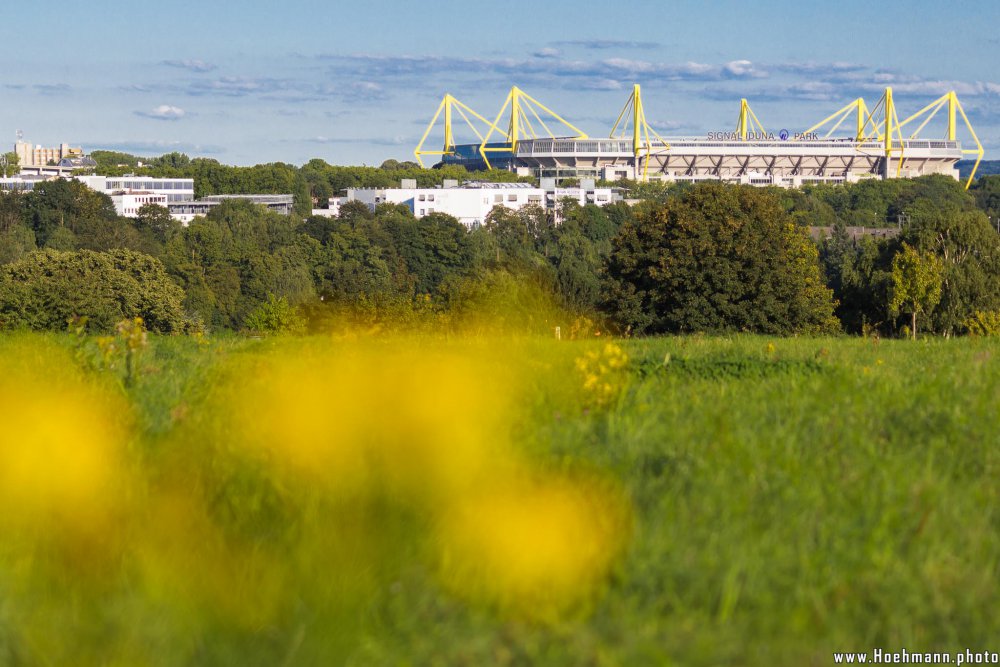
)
(421, 423)
(61, 456)
(534, 548)
(603, 373)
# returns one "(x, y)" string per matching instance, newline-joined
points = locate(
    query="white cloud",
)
(163, 112)
(743, 69)
(600, 84)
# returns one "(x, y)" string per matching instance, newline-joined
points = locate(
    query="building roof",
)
(78, 162)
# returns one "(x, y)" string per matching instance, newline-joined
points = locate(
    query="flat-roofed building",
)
(21, 183)
(174, 189)
(186, 211)
(127, 203)
(37, 156)
(471, 202)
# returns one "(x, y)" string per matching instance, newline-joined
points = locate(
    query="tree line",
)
(707, 257)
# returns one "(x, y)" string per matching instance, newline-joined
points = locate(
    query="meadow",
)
(695, 500)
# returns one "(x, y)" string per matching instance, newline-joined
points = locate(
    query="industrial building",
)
(854, 143)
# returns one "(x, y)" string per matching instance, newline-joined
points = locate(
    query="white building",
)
(332, 210)
(586, 193)
(469, 203)
(128, 203)
(174, 189)
(21, 182)
(187, 211)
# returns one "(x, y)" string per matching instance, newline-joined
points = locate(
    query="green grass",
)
(791, 498)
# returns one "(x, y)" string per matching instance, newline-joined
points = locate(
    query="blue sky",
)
(357, 82)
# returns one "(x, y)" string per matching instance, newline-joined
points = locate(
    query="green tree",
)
(11, 210)
(720, 257)
(433, 247)
(916, 284)
(114, 163)
(516, 233)
(16, 237)
(62, 238)
(987, 193)
(857, 270)
(16, 242)
(961, 237)
(497, 300)
(275, 316)
(65, 204)
(46, 288)
(154, 222)
(577, 271)
(101, 235)
(10, 164)
(577, 248)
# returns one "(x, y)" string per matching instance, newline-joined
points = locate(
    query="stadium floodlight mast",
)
(523, 107)
(641, 131)
(949, 99)
(881, 124)
(448, 105)
(747, 122)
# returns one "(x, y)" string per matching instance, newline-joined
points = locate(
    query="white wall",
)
(469, 205)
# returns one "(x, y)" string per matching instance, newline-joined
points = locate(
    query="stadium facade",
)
(854, 143)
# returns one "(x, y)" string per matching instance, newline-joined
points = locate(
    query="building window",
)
(511, 197)
(430, 210)
(430, 197)
(422, 197)
(498, 199)
(421, 211)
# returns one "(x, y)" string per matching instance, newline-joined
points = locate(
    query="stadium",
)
(853, 143)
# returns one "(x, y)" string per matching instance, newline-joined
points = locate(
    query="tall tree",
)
(720, 257)
(44, 289)
(10, 164)
(961, 237)
(916, 284)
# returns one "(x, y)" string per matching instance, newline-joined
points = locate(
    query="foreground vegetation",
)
(421, 500)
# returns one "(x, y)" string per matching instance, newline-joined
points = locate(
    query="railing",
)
(625, 147)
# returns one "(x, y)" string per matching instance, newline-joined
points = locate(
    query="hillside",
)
(986, 168)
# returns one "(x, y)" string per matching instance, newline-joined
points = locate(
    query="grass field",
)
(689, 500)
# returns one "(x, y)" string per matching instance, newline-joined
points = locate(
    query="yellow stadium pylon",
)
(641, 131)
(449, 104)
(747, 121)
(523, 107)
(949, 100)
